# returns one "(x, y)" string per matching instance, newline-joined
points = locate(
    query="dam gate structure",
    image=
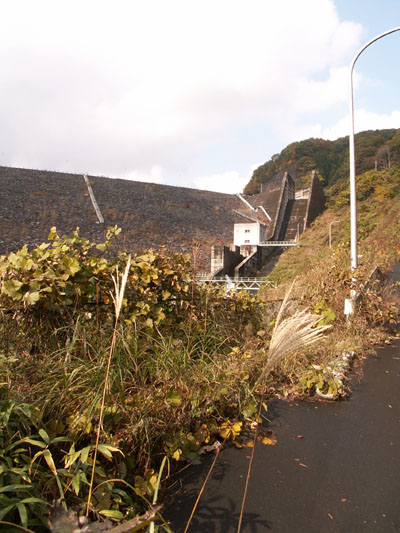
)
(265, 224)
(178, 220)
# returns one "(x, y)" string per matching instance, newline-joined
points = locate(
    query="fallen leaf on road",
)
(390, 407)
(268, 438)
(250, 444)
(302, 464)
(343, 500)
(269, 442)
(330, 516)
(300, 436)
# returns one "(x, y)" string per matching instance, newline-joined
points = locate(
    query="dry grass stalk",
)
(290, 334)
(119, 286)
(204, 485)
(118, 297)
(246, 487)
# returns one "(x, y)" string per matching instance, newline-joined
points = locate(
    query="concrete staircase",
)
(294, 219)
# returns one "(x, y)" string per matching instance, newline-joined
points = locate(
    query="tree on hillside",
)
(383, 157)
(330, 158)
(395, 148)
(395, 142)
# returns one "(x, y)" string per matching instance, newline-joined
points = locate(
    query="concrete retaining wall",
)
(152, 216)
(316, 201)
(252, 263)
(224, 260)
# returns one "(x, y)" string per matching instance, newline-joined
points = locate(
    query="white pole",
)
(330, 231)
(350, 303)
(353, 198)
(92, 197)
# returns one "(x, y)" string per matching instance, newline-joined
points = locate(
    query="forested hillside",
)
(377, 149)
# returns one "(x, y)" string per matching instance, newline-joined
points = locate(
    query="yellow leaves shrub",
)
(230, 430)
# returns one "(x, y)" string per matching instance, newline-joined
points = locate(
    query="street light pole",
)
(350, 303)
(353, 198)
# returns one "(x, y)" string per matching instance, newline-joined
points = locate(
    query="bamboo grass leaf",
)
(22, 514)
(34, 442)
(85, 454)
(13, 487)
(34, 500)
(5, 510)
(50, 462)
(44, 436)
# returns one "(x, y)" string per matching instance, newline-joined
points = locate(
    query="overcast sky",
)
(195, 93)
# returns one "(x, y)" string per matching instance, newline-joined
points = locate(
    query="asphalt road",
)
(335, 467)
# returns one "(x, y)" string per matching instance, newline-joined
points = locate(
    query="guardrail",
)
(248, 284)
(293, 242)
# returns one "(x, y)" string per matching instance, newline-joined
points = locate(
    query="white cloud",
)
(154, 176)
(320, 95)
(117, 88)
(229, 182)
(363, 120)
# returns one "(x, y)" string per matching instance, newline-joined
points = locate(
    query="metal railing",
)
(245, 283)
(293, 242)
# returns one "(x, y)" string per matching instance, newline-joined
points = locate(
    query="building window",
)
(247, 231)
(247, 241)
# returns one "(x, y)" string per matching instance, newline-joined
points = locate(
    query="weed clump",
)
(112, 374)
(324, 280)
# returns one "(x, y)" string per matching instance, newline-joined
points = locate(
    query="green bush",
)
(173, 378)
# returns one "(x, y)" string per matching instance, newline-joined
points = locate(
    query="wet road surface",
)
(342, 475)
